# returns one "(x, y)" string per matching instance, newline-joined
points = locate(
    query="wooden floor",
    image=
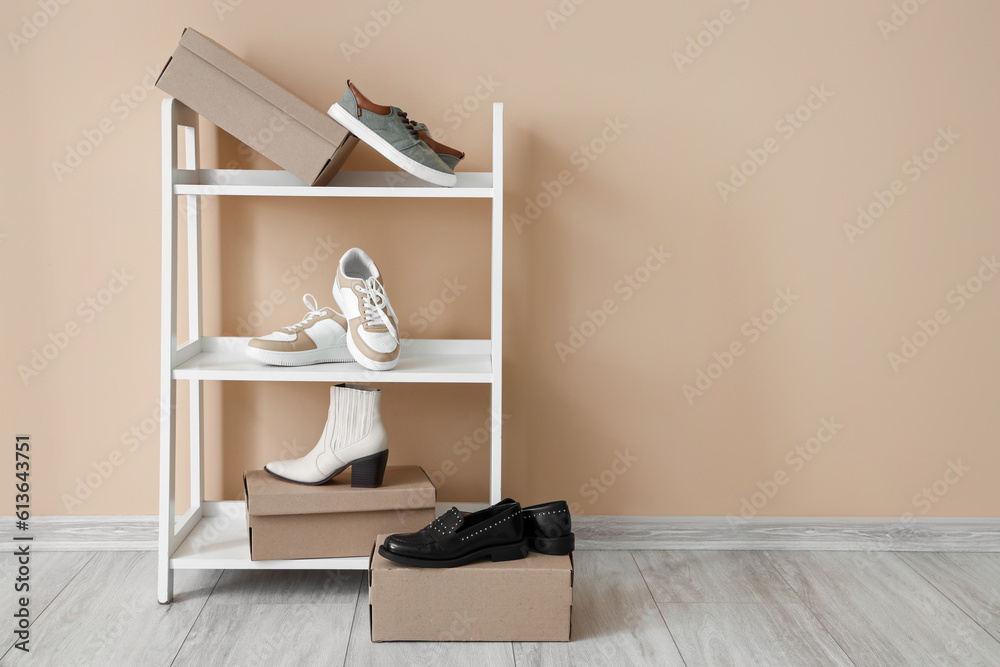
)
(630, 608)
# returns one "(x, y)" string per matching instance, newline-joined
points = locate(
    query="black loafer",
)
(455, 539)
(547, 527)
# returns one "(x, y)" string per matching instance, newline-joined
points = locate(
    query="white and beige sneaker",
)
(372, 326)
(321, 337)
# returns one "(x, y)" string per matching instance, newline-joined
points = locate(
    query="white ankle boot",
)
(353, 436)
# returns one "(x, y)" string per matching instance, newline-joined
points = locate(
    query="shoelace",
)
(376, 303)
(314, 312)
(409, 124)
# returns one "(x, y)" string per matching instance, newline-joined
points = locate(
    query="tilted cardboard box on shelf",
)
(520, 600)
(332, 520)
(223, 88)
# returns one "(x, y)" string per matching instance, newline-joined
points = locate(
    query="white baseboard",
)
(788, 533)
(138, 533)
(86, 533)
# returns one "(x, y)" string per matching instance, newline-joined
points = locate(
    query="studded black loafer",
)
(547, 527)
(455, 539)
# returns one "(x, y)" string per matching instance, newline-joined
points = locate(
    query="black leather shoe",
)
(547, 528)
(454, 539)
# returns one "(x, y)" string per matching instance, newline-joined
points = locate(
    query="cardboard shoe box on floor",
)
(332, 520)
(528, 600)
(223, 88)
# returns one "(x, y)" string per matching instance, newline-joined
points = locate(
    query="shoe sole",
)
(370, 137)
(325, 355)
(370, 364)
(553, 546)
(368, 472)
(497, 554)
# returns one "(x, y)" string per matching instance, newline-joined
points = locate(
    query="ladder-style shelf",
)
(213, 535)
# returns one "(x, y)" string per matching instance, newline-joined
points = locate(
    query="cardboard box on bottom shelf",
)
(520, 600)
(287, 520)
(223, 88)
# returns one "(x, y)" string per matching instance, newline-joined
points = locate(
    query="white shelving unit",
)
(213, 535)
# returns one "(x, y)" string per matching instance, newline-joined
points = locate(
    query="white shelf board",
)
(221, 541)
(456, 361)
(276, 183)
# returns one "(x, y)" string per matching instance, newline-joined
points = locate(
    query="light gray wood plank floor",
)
(630, 608)
(49, 572)
(615, 620)
(108, 615)
(971, 581)
(882, 612)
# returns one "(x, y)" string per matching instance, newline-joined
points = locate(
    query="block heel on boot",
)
(553, 546)
(368, 471)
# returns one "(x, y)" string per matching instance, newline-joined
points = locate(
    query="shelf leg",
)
(496, 309)
(173, 114)
(195, 326)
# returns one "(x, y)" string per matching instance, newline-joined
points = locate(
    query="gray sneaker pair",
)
(406, 143)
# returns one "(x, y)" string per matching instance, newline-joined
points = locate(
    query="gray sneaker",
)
(450, 156)
(391, 133)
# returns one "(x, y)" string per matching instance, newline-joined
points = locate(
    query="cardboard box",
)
(220, 86)
(331, 520)
(527, 600)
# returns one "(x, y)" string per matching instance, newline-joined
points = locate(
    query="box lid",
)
(534, 561)
(403, 488)
(230, 63)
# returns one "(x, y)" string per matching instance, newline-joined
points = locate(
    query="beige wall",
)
(620, 396)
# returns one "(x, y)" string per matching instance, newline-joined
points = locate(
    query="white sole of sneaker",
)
(370, 364)
(323, 355)
(359, 129)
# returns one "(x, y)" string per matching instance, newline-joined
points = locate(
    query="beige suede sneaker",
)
(321, 337)
(372, 326)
